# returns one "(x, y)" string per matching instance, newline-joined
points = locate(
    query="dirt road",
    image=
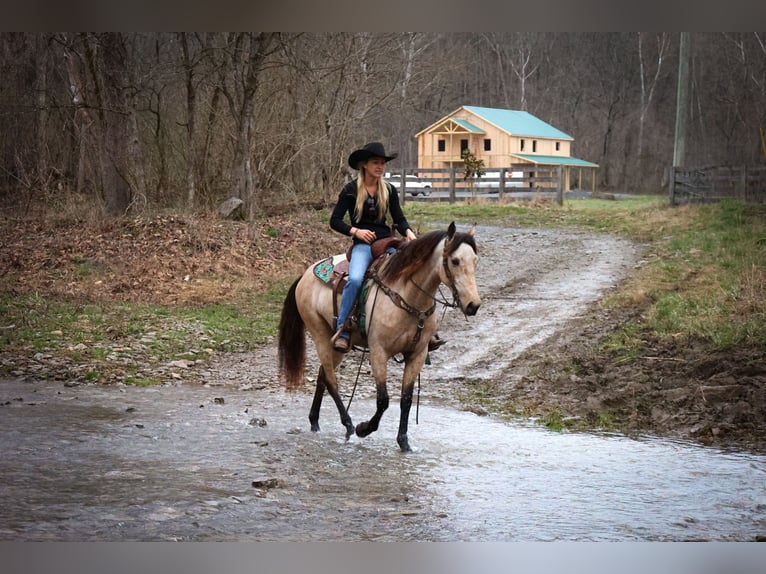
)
(532, 350)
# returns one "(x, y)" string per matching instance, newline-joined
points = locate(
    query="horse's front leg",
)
(379, 371)
(406, 404)
(412, 367)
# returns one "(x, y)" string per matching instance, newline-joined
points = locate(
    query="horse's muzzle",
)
(471, 308)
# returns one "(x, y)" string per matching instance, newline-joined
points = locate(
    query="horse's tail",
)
(292, 342)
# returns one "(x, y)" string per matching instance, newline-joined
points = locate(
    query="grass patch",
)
(626, 342)
(704, 272)
(554, 421)
(96, 334)
(703, 275)
(141, 381)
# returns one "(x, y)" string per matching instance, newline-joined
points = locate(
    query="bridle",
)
(400, 302)
(448, 273)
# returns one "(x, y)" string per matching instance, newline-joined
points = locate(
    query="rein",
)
(399, 301)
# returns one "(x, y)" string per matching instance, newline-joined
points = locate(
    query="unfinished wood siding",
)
(503, 144)
(544, 146)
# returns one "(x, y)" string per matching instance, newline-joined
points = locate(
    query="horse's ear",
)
(451, 230)
(472, 231)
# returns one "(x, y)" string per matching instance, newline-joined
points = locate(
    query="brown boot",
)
(340, 342)
(435, 342)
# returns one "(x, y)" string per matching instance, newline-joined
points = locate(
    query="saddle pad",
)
(331, 269)
(323, 270)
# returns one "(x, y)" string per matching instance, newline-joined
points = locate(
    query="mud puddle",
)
(198, 463)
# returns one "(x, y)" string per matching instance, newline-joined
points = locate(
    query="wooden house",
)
(501, 138)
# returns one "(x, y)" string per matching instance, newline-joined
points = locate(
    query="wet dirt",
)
(233, 458)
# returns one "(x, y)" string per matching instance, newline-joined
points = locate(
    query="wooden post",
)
(743, 182)
(501, 189)
(672, 185)
(403, 186)
(452, 185)
(560, 189)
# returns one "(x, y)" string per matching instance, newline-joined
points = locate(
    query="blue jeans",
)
(361, 257)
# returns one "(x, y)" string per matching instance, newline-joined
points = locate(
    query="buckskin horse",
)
(398, 312)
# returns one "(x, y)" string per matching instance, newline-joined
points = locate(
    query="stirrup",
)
(435, 342)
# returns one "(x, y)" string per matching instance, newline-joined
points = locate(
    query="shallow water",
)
(174, 463)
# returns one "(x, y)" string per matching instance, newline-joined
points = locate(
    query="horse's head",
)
(459, 269)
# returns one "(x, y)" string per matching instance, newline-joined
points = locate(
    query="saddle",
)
(333, 271)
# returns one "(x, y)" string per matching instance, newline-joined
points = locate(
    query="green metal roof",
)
(518, 123)
(468, 125)
(554, 160)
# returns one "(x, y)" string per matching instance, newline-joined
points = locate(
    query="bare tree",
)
(517, 55)
(649, 81)
(168, 119)
(189, 66)
(247, 53)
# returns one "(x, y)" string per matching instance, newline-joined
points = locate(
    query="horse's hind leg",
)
(345, 418)
(323, 382)
(317, 402)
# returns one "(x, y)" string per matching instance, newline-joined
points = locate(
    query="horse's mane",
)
(410, 257)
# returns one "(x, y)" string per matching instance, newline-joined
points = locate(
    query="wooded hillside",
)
(130, 121)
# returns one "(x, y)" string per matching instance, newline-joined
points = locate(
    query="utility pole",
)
(682, 102)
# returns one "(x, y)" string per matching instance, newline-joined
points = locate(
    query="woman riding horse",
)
(367, 201)
(400, 319)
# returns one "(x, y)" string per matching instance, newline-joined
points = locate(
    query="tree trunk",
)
(41, 81)
(243, 180)
(116, 117)
(191, 122)
(85, 122)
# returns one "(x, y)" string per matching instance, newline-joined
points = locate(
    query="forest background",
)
(131, 122)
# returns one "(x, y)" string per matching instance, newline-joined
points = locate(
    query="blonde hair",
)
(361, 194)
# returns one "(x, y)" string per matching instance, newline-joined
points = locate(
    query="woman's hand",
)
(364, 235)
(411, 235)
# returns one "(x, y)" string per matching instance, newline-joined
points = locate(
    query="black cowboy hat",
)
(373, 149)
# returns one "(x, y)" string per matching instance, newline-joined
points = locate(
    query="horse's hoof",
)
(362, 429)
(404, 444)
(314, 427)
(349, 431)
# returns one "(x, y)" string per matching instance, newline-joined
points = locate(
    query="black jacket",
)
(347, 205)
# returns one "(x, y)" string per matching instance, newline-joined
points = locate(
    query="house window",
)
(558, 146)
(463, 145)
(534, 146)
(521, 145)
(487, 145)
(442, 145)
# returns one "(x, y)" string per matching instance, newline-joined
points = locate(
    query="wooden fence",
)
(449, 184)
(708, 184)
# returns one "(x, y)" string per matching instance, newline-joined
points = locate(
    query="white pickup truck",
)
(414, 185)
(491, 180)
